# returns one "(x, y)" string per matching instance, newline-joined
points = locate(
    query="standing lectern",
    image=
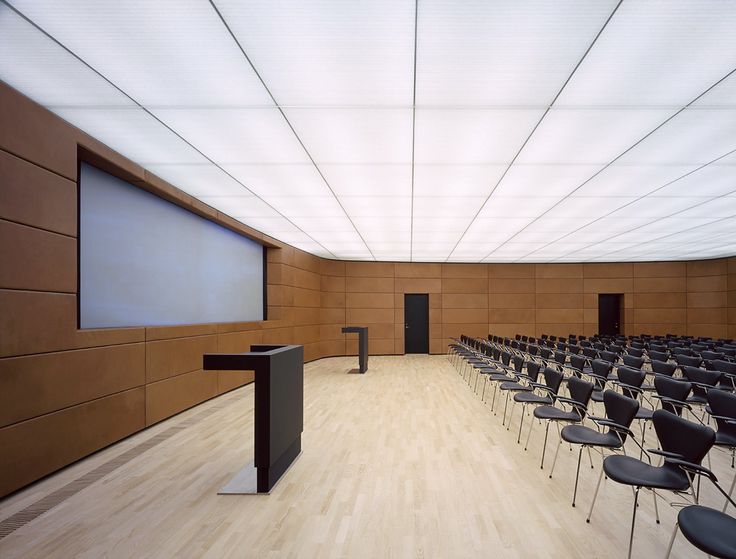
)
(362, 332)
(279, 411)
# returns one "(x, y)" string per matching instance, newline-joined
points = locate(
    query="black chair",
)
(522, 383)
(728, 368)
(663, 368)
(579, 365)
(580, 392)
(635, 352)
(620, 412)
(658, 355)
(609, 356)
(722, 408)
(672, 394)
(709, 530)
(544, 395)
(688, 360)
(600, 373)
(682, 441)
(702, 381)
(590, 352)
(634, 362)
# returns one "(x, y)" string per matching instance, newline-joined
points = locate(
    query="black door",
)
(609, 313)
(416, 323)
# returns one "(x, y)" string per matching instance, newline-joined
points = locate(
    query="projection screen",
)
(147, 262)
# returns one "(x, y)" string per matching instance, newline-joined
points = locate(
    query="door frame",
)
(426, 298)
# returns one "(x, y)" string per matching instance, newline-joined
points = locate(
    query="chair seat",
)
(630, 471)
(697, 399)
(579, 434)
(709, 530)
(532, 398)
(644, 413)
(725, 439)
(498, 377)
(515, 387)
(552, 413)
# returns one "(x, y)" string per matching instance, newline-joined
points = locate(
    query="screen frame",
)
(87, 157)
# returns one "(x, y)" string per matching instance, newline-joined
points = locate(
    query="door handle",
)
(406, 326)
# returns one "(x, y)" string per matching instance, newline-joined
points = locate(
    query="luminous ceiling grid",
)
(596, 220)
(718, 220)
(145, 109)
(291, 127)
(670, 118)
(529, 137)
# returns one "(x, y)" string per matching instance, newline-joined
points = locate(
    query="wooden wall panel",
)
(172, 395)
(370, 301)
(39, 446)
(707, 298)
(731, 298)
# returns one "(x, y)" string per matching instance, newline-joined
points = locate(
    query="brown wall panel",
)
(707, 283)
(370, 300)
(559, 271)
(465, 300)
(52, 207)
(511, 270)
(659, 269)
(463, 285)
(511, 285)
(170, 396)
(34, 259)
(556, 285)
(659, 300)
(420, 285)
(512, 301)
(609, 285)
(169, 358)
(229, 380)
(34, 448)
(417, 270)
(559, 300)
(369, 285)
(609, 270)
(39, 384)
(659, 284)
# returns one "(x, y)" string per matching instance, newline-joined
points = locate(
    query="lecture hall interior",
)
(368, 279)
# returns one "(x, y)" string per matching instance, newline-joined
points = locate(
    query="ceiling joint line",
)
(534, 129)
(288, 123)
(152, 115)
(655, 220)
(413, 132)
(619, 156)
(596, 220)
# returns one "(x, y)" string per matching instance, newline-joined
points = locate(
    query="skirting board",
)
(244, 482)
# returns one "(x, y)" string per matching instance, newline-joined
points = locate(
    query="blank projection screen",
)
(147, 262)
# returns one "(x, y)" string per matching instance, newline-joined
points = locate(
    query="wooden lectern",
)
(279, 411)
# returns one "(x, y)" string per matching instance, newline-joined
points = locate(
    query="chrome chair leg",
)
(595, 496)
(577, 477)
(554, 461)
(529, 434)
(544, 448)
(633, 520)
(521, 422)
(656, 509)
(672, 540)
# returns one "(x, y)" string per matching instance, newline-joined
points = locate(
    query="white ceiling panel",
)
(632, 180)
(656, 53)
(133, 133)
(456, 180)
(229, 136)
(328, 52)
(588, 136)
(200, 180)
(374, 180)
(354, 135)
(446, 136)
(323, 124)
(552, 180)
(300, 179)
(161, 53)
(34, 64)
(515, 53)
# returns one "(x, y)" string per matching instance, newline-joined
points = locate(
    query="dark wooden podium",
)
(279, 411)
(362, 332)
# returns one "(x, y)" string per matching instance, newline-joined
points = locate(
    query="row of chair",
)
(515, 370)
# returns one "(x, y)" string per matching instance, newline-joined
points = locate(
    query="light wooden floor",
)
(401, 462)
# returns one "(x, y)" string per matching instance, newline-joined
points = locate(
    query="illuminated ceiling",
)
(484, 131)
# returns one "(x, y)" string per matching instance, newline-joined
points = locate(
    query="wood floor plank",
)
(404, 461)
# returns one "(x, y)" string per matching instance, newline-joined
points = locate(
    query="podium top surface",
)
(350, 329)
(258, 354)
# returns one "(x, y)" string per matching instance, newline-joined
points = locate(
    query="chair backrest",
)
(663, 368)
(580, 391)
(532, 369)
(591, 352)
(635, 352)
(577, 362)
(711, 355)
(690, 440)
(701, 376)
(560, 357)
(725, 366)
(688, 360)
(505, 358)
(637, 345)
(658, 355)
(633, 361)
(532, 350)
(553, 379)
(632, 377)
(672, 388)
(724, 404)
(601, 368)
(518, 363)
(544, 352)
(617, 349)
(681, 351)
(620, 409)
(608, 356)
